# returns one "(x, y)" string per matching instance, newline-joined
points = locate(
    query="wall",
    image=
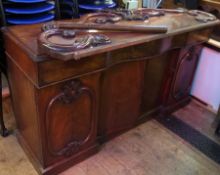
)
(206, 84)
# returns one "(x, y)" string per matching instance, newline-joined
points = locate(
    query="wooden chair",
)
(217, 131)
(3, 130)
(3, 67)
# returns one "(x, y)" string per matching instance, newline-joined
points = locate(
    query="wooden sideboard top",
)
(22, 48)
(26, 36)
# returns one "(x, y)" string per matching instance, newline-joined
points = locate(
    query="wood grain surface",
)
(64, 110)
(148, 149)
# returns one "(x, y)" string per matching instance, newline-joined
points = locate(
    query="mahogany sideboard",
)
(66, 109)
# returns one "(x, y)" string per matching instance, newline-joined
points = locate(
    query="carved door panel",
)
(179, 79)
(70, 117)
(121, 97)
(184, 74)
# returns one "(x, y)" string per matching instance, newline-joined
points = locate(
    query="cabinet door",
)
(184, 74)
(69, 114)
(155, 72)
(179, 81)
(120, 97)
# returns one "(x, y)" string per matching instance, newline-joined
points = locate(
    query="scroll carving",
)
(75, 40)
(70, 93)
(143, 14)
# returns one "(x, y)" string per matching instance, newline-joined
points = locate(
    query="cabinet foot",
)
(5, 132)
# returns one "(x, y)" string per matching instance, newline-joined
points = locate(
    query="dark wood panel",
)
(68, 114)
(64, 115)
(178, 83)
(56, 70)
(26, 65)
(185, 71)
(155, 72)
(121, 97)
(23, 97)
(61, 107)
(198, 37)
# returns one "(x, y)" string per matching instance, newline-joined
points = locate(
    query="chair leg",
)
(4, 130)
(217, 131)
(217, 120)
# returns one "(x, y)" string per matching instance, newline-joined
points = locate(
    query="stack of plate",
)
(93, 5)
(69, 9)
(28, 11)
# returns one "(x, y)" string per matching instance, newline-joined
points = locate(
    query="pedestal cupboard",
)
(66, 109)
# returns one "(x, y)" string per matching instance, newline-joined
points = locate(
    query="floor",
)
(199, 118)
(149, 149)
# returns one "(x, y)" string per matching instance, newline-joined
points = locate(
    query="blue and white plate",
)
(38, 8)
(27, 1)
(31, 19)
